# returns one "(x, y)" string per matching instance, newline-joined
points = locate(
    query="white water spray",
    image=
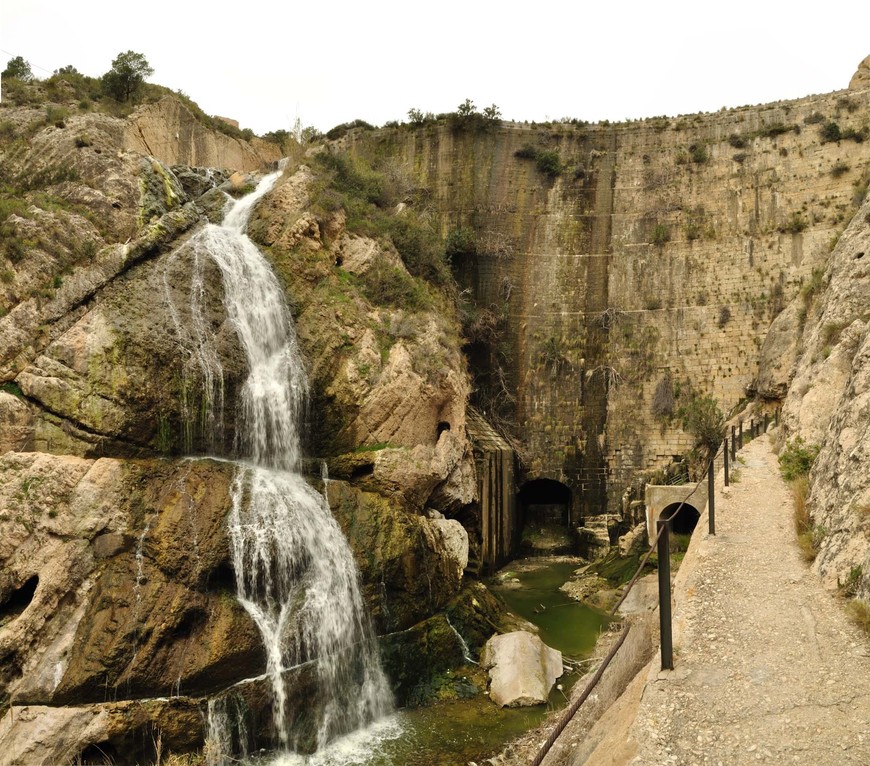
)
(295, 573)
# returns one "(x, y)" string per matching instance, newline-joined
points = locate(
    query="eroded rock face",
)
(828, 404)
(123, 732)
(390, 378)
(522, 669)
(115, 572)
(409, 569)
(779, 353)
(133, 586)
(169, 131)
(861, 78)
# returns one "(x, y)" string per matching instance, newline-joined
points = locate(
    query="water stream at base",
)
(295, 573)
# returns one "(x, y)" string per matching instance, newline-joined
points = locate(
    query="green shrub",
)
(701, 417)
(777, 129)
(830, 132)
(699, 154)
(858, 136)
(341, 130)
(859, 611)
(11, 387)
(797, 458)
(547, 161)
(660, 234)
(794, 225)
(352, 178)
(840, 169)
(737, 141)
(460, 241)
(55, 115)
(386, 285)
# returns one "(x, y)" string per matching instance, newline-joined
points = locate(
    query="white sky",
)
(331, 62)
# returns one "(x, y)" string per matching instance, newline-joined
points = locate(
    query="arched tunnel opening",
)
(545, 509)
(683, 520)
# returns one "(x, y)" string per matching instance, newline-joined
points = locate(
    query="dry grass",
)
(859, 611)
(803, 523)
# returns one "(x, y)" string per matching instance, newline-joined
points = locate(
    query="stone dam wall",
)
(663, 249)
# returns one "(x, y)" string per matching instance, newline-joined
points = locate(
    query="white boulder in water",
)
(522, 669)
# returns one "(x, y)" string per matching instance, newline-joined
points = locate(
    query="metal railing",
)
(661, 544)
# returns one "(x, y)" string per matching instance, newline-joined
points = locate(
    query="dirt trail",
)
(768, 667)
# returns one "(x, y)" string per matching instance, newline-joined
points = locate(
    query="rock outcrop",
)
(827, 405)
(861, 79)
(116, 580)
(169, 131)
(522, 669)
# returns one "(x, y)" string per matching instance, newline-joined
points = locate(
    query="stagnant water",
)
(295, 573)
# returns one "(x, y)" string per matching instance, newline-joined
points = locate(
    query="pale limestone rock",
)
(522, 669)
(282, 218)
(455, 541)
(633, 540)
(359, 254)
(828, 405)
(37, 735)
(169, 131)
(861, 78)
(16, 423)
(779, 353)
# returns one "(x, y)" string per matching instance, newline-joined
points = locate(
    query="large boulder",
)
(410, 569)
(115, 578)
(779, 353)
(522, 669)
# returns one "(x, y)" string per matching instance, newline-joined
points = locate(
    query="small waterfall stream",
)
(295, 573)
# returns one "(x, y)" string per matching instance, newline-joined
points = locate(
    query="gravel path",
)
(768, 668)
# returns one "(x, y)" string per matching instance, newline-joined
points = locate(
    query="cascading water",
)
(295, 573)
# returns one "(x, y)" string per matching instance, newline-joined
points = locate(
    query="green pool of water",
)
(456, 732)
(565, 624)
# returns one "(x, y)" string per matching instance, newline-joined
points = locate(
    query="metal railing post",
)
(725, 459)
(733, 443)
(740, 436)
(766, 423)
(664, 553)
(711, 498)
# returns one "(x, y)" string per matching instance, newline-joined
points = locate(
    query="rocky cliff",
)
(117, 611)
(827, 406)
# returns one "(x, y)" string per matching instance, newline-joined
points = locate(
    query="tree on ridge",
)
(124, 80)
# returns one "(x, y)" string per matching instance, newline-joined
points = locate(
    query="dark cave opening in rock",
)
(684, 518)
(545, 507)
(19, 599)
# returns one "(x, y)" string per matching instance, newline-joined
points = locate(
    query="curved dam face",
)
(641, 255)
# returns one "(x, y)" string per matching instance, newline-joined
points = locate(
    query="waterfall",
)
(295, 573)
